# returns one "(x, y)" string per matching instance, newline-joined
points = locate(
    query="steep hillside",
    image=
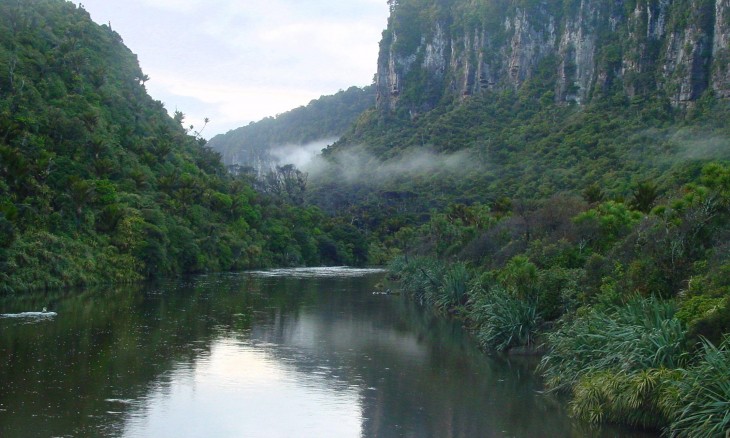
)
(301, 131)
(525, 99)
(99, 184)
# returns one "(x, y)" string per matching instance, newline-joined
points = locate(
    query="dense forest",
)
(556, 174)
(100, 184)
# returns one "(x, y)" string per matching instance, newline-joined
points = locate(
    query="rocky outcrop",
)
(720, 70)
(583, 48)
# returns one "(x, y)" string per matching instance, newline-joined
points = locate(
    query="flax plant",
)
(503, 320)
(700, 404)
(641, 335)
(454, 288)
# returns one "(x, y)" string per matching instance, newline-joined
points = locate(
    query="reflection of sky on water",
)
(293, 374)
(240, 391)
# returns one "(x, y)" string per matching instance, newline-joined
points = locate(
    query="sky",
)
(238, 61)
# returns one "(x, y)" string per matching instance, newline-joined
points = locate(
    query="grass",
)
(455, 287)
(623, 397)
(420, 277)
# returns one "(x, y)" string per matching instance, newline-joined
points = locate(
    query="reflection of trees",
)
(418, 374)
(107, 344)
(455, 391)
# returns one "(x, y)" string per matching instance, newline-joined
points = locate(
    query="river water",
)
(288, 353)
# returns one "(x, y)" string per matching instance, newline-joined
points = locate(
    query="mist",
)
(301, 156)
(357, 165)
(693, 146)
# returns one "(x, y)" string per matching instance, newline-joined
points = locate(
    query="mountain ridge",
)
(321, 121)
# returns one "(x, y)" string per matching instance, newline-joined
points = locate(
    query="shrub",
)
(502, 320)
(519, 276)
(421, 277)
(706, 317)
(454, 288)
(557, 291)
(623, 397)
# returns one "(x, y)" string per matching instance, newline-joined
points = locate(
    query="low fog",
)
(692, 146)
(301, 156)
(357, 165)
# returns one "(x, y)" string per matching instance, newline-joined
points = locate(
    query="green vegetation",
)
(629, 306)
(98, 184)
(592, 234)
(699, 400)
(503, 321)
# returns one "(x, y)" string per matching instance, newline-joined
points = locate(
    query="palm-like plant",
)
(641, 335)
(644, 197)
(700, 406)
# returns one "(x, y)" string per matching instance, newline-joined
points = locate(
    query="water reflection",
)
(258, 356)
(240, 391)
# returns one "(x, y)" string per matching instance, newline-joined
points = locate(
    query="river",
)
(287, 353)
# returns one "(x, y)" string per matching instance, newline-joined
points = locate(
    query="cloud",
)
(184, 6)
(245, 60)
(667, 146)
(228, 105)
(692, 145)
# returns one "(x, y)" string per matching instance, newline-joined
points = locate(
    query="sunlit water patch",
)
(242, 391)
(29, 317)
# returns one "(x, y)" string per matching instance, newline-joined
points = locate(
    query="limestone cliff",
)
(436, 50)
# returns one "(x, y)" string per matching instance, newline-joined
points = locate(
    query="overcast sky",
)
(238, 61)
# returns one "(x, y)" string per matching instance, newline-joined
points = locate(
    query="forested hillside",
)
(99, 184)
(557, 174)
(259, 145)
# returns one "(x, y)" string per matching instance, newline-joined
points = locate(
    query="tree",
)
(593, 194)
(644, 197)
(179, 117)
(285, 183)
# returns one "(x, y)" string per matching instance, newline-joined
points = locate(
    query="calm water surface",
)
(297, 353)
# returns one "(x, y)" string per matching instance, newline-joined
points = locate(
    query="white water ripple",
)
(319, 272)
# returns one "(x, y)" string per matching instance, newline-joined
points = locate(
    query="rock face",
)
(580, 49)
(720, 68)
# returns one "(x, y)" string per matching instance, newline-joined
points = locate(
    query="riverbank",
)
(631, 361)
